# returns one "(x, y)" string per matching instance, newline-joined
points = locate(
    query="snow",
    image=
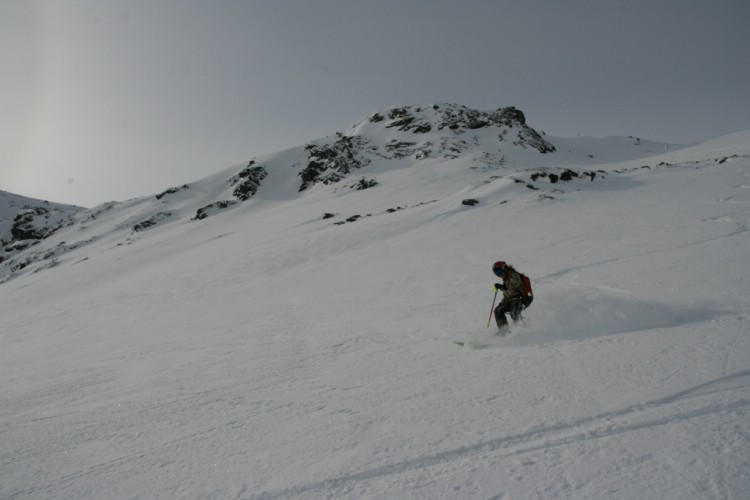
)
(267, 352)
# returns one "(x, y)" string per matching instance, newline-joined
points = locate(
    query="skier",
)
(516, 297)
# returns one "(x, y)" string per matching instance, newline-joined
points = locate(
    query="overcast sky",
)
(110, 99)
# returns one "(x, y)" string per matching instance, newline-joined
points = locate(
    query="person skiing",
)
(517, 294)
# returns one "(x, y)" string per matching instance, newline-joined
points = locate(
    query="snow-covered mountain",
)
(24, 222)
(284, 328)
(444, 146)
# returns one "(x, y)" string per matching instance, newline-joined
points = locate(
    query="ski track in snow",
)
(668, 410)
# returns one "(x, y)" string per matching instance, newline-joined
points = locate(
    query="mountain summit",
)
(420, 133)
(507, 121)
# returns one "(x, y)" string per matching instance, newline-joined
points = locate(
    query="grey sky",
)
(106, 100)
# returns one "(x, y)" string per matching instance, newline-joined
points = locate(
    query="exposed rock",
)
(24, 224)
(568, 175)
(211, 209)
(171, 191)
(400, 149)
(329, 163)
(248, 181)
(364, 183)
(461, 119)
(28, 226)
(152, 221)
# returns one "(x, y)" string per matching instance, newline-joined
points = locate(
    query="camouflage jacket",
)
(513, 284)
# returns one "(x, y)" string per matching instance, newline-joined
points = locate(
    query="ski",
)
(471, 345)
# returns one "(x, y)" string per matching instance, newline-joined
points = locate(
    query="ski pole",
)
(492, 308)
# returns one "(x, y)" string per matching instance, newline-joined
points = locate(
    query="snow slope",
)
(267, 351)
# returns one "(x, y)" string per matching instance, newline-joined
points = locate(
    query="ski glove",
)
(499, 286)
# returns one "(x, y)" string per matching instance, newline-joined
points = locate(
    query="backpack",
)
(527, 296)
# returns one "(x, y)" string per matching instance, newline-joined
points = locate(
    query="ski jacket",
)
(513, 284)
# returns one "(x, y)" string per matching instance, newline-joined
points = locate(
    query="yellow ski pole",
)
(492, 308)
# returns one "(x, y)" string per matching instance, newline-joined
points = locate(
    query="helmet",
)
(499, 267)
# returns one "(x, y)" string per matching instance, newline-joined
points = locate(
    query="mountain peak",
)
(457, 119)
(419, 133)
(452, 116)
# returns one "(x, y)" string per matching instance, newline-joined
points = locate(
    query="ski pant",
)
(512, 307)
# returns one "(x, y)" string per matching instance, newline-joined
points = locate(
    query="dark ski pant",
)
(512, 307)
